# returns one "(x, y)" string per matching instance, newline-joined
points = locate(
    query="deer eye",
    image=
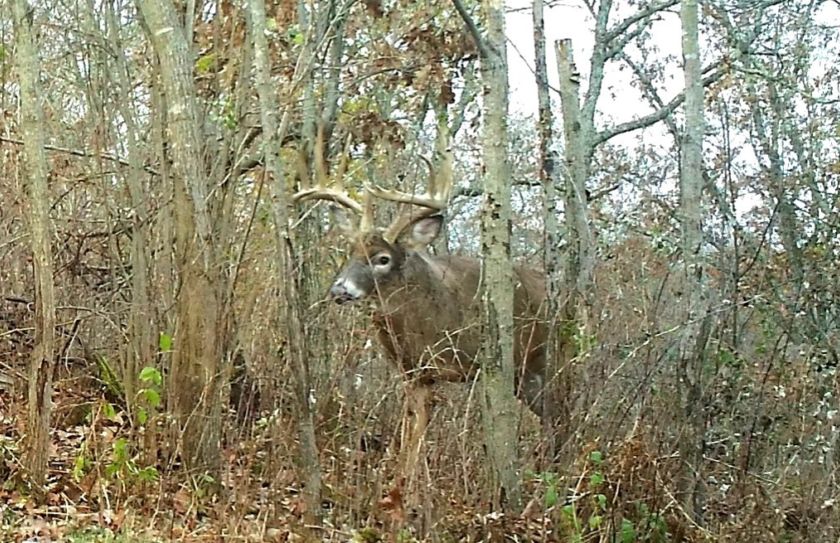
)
(383, 260)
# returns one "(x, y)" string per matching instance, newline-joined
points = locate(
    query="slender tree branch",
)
(649, 89)
(81, 153)
(483, 50)
(473, 191)
(596, 74)
(652, 9)
(656, 116)
(471, 86)
(619, 46)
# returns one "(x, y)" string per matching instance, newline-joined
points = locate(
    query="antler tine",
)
(332, 195)
(433, 201)
(407, 215)
(319, 190)
(437, 195)
(366, 222)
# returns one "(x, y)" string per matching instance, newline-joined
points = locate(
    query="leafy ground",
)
(101, 490)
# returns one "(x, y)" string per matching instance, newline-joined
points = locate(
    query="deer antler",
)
(319, 190)
(431, 202)
(325, 193)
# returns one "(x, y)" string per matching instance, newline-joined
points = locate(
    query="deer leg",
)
(418, 398)
(418, 406)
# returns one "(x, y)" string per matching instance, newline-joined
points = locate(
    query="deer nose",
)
(346, 290)
(339, 293)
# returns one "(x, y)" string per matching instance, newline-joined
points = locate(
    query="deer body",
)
(428, 314)
(428, 308)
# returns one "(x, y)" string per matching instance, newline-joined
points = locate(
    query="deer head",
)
(377, 257)
(375, 264)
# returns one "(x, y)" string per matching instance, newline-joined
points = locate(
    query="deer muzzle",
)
(344, 291)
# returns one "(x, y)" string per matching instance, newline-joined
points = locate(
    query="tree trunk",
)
(697, 324)
(501, 412)
(549, 177)
(574, 311)
(36, 172)
(195, 379)
(141, 331)
(288, 273)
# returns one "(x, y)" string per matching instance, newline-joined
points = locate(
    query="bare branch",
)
(649, 89)
(656, 116)
(473, 191)
(81, 153)
(652, 9)
(599, 58)
(473, 29)
(619, 46)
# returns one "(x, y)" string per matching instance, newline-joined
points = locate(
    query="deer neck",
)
(419, 284)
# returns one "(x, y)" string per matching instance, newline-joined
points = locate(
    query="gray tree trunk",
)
(501, 412)
(578, 130)
(194, 387)
(141, 331)
(549, 176)
(696, 332)
(281, 202)
(40, 228)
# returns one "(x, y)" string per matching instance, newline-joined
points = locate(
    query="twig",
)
(81, 153)
(473, 29)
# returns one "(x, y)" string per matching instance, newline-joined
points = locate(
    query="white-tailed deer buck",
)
(428, 314)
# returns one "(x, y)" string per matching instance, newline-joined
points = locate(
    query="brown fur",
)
(428, 318)
(428, 314)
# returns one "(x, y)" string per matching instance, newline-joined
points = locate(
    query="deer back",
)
(429, 320)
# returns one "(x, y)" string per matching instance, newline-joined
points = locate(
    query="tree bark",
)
(500, 409)
(696, 332)
(195, 379)
(578, 129)
(281, 205)
(549, 177)
(141, 332)
(36, 173)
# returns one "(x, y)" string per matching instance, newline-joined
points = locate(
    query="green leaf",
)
(596, 479)
(152, 397)
(569, 511)
(142, 416)
(151, 375)
(111, 470)
(206, 63)
(109, 411)
(120, 450)
(551, 497)
(165, 342)
(108, 376)
(601, 500)
(148, 474)
(596, 457)
(627, 531)
(79, 467)
(595, 521)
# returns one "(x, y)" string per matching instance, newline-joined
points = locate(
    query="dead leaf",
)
(393, 503)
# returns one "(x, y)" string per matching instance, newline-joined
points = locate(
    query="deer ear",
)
(343, 220)
(424, 231)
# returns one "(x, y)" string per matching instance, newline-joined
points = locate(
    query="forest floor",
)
(101, 489)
